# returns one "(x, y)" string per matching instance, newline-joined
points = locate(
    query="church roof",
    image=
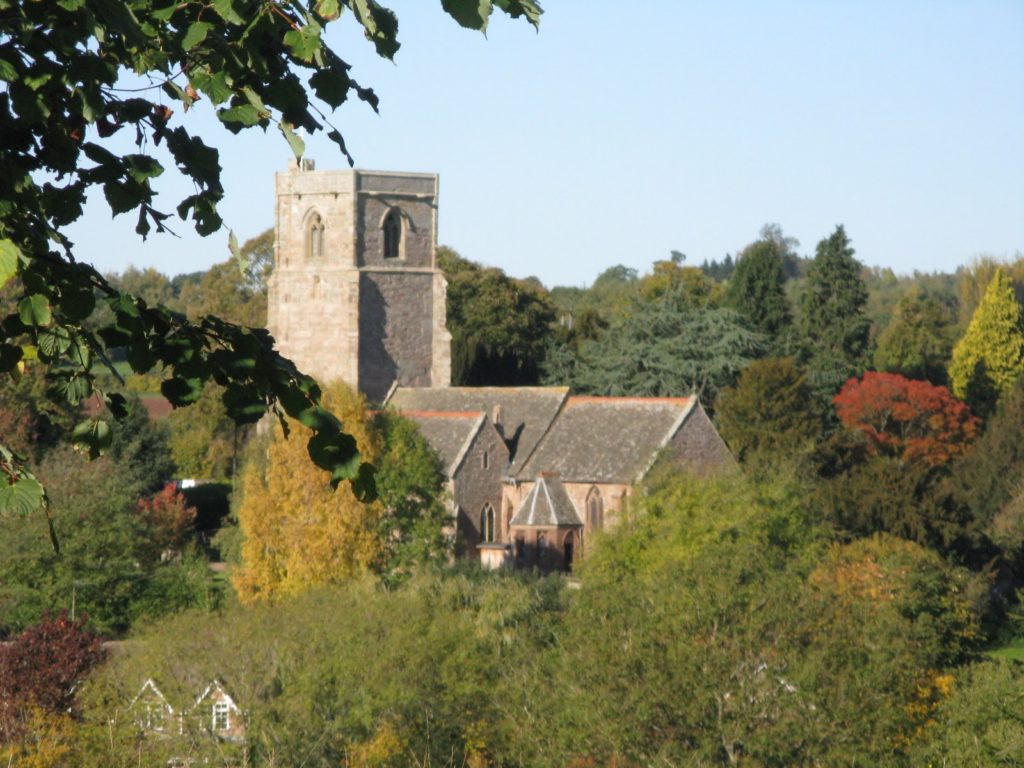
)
(521, 414)
(448, 432)
(607, 439)
(547, 504)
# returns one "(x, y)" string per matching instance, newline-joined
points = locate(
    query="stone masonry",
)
(345, 302)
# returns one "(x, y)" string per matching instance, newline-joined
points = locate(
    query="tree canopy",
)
(81, 76)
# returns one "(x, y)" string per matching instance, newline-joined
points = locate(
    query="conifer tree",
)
(757, 291)
(917, 342)
(989, 358)
(833, 323)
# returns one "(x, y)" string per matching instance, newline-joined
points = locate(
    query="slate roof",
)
(607, 439)
(448, 433)
(547, 504)
(525, 412)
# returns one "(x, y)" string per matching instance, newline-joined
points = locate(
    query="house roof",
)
(607, 439)
(448, 433)
(521, 414)
(157, 406)
(547, 504)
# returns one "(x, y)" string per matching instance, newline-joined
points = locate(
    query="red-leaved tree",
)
(42, 668)
(911, 420)
(168, 516)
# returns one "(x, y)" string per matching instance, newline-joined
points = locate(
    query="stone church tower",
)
(356, 293)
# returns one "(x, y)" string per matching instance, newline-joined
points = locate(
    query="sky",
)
(624, 130)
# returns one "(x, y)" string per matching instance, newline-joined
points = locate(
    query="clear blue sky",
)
(624, 130)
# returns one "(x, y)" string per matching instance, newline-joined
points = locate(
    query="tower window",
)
(392, 234)
(485, 460)
(315, 238)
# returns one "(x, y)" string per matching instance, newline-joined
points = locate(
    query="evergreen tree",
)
(834, 326)
(989, 358)
(756, 289)
(770, 412)
(917, 343)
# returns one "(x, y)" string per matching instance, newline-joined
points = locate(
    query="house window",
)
(392, 234)
(595, 510)
(220, 716)
(542, 541)
(520, 548)
(487, 524)
(315, 238)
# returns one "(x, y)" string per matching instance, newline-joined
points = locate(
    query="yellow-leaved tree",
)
(299, 532)
(989, 358)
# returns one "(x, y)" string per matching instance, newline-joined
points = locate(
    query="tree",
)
(756, 289)
(63, 103)
(989, 358)
(499, 326)
(236, 295)
(203, 439)
(910, 420)
(42, 668)
(981, 723)
(770, 413)
(664, 345)
(834, 327)
(411, 488)
(917, 343)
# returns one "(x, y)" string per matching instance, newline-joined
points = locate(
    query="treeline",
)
(847, 597)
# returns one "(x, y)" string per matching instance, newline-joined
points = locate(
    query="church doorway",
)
(568, 552)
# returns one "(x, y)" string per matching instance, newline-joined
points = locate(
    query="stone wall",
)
(476, 485)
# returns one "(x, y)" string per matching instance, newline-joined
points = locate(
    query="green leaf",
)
(117, 405)
(380, 24)
(73, 389)
(328, 10)
(214, 85)
(10, 255)
(53, 342)
(23, 497)
(120, 197)
(181, 391)
(34, 311)
(226, 10)
(93, 436)
(294, 140)
(244, 114)
(196, 33)
(78, 305)
(331, 85)
(472, 14)
(304, 42)
(7, 71)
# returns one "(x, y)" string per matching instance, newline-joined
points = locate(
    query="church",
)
(533, 473)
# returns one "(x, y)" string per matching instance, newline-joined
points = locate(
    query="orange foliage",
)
(912, 420)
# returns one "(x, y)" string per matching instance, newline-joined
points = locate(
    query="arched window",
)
(595, 510)
(542, 542)
(568, 551)
(487, 524)
(392, 234)
(315, 238)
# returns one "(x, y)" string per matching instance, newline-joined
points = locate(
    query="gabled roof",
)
(216, 686)
(547, 504)
(521, 414)
(150, 687)
(448, 433)
(607, 439)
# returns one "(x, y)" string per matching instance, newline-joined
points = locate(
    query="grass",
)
(1012, 650)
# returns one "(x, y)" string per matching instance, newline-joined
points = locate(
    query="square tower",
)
(356, 293)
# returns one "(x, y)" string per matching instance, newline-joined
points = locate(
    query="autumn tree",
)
(911, 420)
(41, 671)
(257, 64)
(770, 413)
(204, 441)
(989, 358)
(298, 534)
(168, 517)
(916, 343)
(834, 327)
